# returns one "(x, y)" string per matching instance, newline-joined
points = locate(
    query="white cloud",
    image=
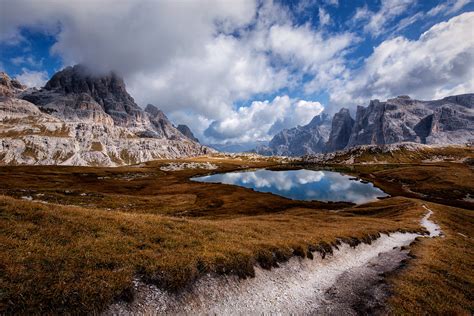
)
(306, 48)
(259, 120)
(226, 71)
(126, 36)
(26, 60)
(448, 7)
(376, 22)
(197, 59)
(33, 79)
(333, 2)
(438, 64)
(324, 17)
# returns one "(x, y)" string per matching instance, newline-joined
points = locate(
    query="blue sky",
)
(236, 71)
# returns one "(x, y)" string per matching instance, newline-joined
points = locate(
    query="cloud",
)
(376, 22)
(26, 60)
(306, 48)
(198, 60)
(209, 83)
(324, 17)
(438, 64)
(126, 36)
(262, 119)
(333, 2)
(448, 7)
(33, 79)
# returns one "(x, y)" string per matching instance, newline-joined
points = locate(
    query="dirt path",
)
(348, 282)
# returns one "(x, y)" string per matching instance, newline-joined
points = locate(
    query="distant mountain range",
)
(402, 119)
(230, 147)
(83, 119)
(79, 118)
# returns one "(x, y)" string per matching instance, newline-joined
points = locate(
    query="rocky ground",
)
(80, 120)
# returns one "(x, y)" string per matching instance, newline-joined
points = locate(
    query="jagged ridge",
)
(80, 118)
(402, 119)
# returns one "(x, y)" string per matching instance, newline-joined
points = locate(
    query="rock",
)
(395, 121)
(77, 93)
(446, 121)
(85, 120)
(9, 87)
(341, 128)
(186, 131)
(161, 124)
(301, 140)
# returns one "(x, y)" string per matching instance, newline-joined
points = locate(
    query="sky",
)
(239, 71)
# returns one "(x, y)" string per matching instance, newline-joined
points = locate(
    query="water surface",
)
(301, 184)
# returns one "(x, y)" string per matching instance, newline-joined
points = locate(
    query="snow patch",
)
(431, 226)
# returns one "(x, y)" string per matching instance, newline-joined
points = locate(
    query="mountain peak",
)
(78, 86)
(85, 119)
(318, 119)
(106, 89)
(186, 131)
(9, 87)
(155, 112)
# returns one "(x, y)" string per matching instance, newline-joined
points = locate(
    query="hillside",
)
(84, 120)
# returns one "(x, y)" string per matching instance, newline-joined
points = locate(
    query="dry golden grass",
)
(58, 258)
(115, 224)
(444, 183)
(439, 280)
(146, 190)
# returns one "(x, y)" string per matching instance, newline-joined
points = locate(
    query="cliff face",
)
(446, 121)
(186, 131)
(398, 120)
(301, 140)
(82, 119)
(341, 128)
(74, 93)
(9, 87)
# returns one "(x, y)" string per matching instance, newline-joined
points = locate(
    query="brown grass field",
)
(87, 232)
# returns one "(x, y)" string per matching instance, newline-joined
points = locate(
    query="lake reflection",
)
(301, 184)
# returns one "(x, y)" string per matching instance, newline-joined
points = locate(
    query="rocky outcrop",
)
(186, 131)
(341, 128)
(398, 120)
(76, 93)
(446, 121)
(88, 120)
(9, 87)
(161, 126)
(301, 140)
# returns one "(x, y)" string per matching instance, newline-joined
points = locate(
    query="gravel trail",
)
(348, 282)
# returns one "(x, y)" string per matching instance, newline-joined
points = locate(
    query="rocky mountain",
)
(80, 118)
(395, 153)
(341, 129)
(9, 87)
(242, 147)
(300, 140)
(402, 119)
(398, 120)
(186, 131)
